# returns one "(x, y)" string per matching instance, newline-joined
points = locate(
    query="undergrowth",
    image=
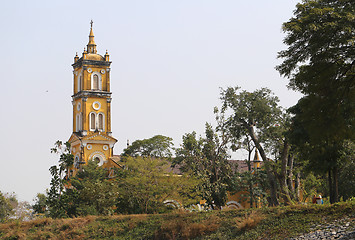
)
(266, 223)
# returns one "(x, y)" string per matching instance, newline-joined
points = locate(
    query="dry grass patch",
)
(183, 227)
(249, 221)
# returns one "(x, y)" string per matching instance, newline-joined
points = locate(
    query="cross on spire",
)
(91, 22)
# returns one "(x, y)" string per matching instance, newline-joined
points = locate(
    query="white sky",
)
(169, 59)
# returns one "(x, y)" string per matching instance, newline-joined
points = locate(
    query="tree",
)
(66, 158)
(158, 146)
(258, 116)
(40, 204)
(320, 63)
(145, 183)
(91, 192)
(5, 207)
(55, 203)
(207, 159)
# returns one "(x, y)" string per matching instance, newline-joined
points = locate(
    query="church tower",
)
(92, 137)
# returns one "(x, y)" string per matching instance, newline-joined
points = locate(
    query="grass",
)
(267, 223)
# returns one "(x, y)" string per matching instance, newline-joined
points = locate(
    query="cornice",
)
(97, 93)
(82, 62)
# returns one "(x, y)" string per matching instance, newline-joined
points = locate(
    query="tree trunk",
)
(335, 184)
(290, 184)
(298, 187)
(271, 178)
(331, 192)
(283, 176)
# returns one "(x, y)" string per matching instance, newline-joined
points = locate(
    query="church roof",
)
(95, 57)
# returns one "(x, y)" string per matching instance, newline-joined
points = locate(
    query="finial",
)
(91, 22)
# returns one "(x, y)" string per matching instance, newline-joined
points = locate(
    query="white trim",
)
(234, 205)
(90, 121)
(98, 107)
(96, 124)
(79, 122)
(79, 83)
(92, 80)
(100, 155)
(98, 121)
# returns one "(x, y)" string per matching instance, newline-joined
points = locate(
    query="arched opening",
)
(92, 121)
(95, 84)
(101, 122)
(80, 84)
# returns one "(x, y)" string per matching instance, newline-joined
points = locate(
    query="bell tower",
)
(92, 137)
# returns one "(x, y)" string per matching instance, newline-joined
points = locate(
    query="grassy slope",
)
(268, 223)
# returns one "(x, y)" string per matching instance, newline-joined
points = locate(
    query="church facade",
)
(92, 137)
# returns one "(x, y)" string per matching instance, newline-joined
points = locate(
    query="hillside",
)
(267, 223)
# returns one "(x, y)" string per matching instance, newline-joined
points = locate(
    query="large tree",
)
(207, 158)
(257, 115)
(144, 184)
(158, 146)
(320, 63)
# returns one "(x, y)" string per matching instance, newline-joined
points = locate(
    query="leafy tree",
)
(40, 205)
(91, 193)
(258, 116)
(6, 208)
(319, 63)
(56, 205)
(144, 183)
(207, 159)
(253, 184)
(347, 176)
(158, 146)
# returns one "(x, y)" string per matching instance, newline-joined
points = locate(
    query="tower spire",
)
(91, 47)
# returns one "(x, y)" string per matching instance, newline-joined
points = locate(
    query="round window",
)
(96, 105)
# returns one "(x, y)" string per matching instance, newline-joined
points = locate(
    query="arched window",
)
(101, 122)
(80, 83)
(80, 121)
(92, 121)
(95, 84)
(77, 122)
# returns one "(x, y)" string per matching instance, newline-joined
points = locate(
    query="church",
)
(92, 137)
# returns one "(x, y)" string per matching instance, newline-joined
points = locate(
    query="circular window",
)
(98, 160)
(89, 147)
(89, 70)
(96, 105)
(105, 147)
(102, 71)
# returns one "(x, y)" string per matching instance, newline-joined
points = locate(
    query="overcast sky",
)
(169, 59)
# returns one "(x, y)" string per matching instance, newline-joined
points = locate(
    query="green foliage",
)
(158, 146)
(5, 207)
(144, 183)
(253, 184)
(91, 193)
(320, 63)
(40, 205)
(207, 159)
(347, 176)
(56, 206)
(257, 115)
